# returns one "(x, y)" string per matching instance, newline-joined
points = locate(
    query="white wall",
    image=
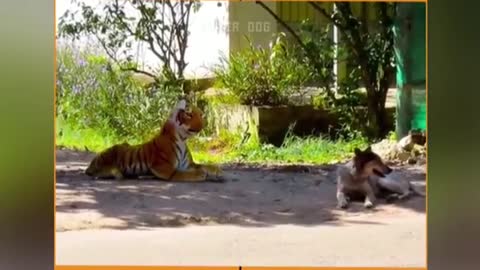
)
(248, 19)
(207, 41)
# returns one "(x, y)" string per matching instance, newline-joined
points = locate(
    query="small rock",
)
(412, 161)
(403, 156)
(195, 219)
(406, 143)
(421, 161)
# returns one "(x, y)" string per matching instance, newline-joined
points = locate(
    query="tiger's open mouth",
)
(193, 130)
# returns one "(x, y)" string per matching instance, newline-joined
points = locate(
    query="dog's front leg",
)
(342, 201)
(369, 195)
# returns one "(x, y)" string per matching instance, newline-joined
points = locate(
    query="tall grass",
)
(94, 95)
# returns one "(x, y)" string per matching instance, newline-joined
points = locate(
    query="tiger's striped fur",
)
(166, 156)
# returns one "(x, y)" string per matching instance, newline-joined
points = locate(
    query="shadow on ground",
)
(251, 196)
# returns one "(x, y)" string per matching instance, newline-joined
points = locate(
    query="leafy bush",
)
(347, 102)
(260, 76)
(92, 94)
(318, 51)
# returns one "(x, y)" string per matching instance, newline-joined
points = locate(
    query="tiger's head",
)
(189, 119)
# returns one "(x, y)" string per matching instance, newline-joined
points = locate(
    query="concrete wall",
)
(248, 19)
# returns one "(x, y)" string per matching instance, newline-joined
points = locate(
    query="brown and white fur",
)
(398, 185)
(367, 175)
(354, 178)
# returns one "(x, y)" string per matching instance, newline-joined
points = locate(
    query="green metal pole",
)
(410, 54)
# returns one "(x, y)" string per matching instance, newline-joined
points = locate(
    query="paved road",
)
(387, 242)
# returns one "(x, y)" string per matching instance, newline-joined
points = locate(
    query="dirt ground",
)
(264, 215)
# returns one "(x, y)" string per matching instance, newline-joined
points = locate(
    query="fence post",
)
(410, 52)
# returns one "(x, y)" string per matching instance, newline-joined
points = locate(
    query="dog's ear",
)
(357, 151)
(369, 149)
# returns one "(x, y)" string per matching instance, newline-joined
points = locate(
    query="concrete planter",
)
(271, 124)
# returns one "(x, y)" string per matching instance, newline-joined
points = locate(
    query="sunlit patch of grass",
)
(228, 148)
(84, 139)
(312, 150)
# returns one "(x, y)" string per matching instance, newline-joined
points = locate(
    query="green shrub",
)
(260, 76)
(348, 101)
(92, 94)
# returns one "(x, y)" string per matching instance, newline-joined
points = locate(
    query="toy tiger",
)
(166, 156)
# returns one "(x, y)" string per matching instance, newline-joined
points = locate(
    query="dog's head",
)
(369, 163)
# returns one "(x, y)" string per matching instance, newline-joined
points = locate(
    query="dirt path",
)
(259, 216)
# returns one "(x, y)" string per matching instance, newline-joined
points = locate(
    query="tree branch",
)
(330, 17)
(116, 61)
(150, 40)
(136, 70)
(387, 23)
(285, 25)
(312, 57)
(173, 27)
(364, 17)
(182, 38)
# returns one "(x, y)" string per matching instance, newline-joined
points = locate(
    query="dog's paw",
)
(368, 204)
(404, 196)
(342, 204)
(391, 198)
